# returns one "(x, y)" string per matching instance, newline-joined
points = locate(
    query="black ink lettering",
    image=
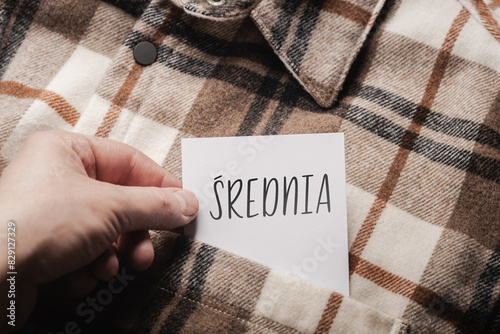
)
(217, 198)
(325, 184)
(287, 191)
(249, 186)
(229, 198)
(306, 209)
(266, 191)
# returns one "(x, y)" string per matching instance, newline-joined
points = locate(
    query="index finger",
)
(118, 163)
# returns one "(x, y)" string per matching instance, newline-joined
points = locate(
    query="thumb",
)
(144, 208)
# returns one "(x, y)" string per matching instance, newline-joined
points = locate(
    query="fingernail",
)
(188, 201)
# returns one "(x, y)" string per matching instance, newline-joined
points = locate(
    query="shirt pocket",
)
(195, 288)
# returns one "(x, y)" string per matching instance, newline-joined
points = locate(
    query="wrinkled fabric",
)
(413, 84)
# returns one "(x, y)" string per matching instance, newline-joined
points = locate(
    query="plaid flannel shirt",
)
(414, 85)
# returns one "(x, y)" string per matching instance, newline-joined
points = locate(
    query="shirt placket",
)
(153, 81)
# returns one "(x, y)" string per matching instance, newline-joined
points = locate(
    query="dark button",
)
(145, 53)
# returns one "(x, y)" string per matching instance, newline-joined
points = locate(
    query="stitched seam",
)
(288, 64)
(193, 7)
(477, 17)
(332, 86)
(362, 38)
(303, 78)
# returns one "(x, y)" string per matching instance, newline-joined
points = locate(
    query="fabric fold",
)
(485, 12)
(317, 40)
(217, 9)
(201, 281)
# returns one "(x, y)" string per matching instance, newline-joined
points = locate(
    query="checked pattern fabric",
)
(413, 84)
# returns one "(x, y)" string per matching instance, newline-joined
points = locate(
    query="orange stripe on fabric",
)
(494, 5)
(53, 100)
(329, 313)
(397, 166)
(394, 284)
(387, 280)
(119, 101)
(348, 10)
(133, 77)
(408, 289)
(410, 136)
(490, 23)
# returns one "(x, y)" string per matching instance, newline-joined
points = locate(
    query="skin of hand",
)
(79, 201)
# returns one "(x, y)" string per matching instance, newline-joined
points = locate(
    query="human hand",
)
(77, 201)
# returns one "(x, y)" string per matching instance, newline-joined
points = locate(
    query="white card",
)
(276, 200)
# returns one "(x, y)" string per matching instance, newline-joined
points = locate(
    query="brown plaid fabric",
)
(413, 84)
